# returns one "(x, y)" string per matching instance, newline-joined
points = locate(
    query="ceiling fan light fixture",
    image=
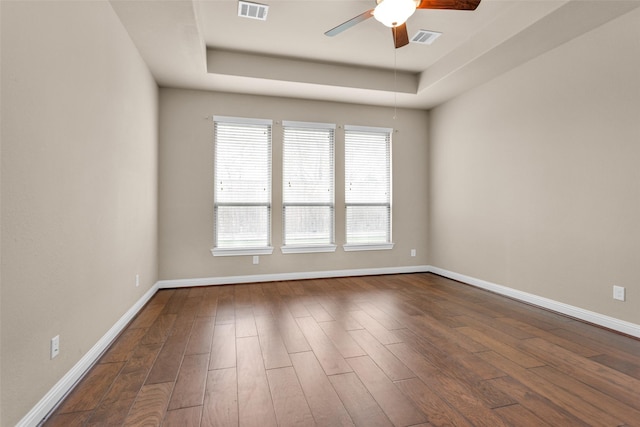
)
(394, 12)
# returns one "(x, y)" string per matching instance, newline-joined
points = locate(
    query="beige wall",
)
(79, 188)
(186, 184)
(535, 178)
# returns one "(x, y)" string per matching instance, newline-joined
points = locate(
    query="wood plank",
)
(221, 399)
(288, 399)
(520, 416)
(197, 292)
(380, 316)
(124, 346)
(326, 407)
(499, 344)
(242, 295)
(254, 398)
(201, 336)
(319, 313)
(189, 388)
(161, 297)
(597, 346)
(291, 334)
(150, 405)
(329, 357)
(339, 309)
(209, 306)
(551, 336)
(259, 301)
(438, 412)
(176, 302)
(382, 334)
(299, 287)
(73, 419)
(544, 408)
(627, 364)
(565, 399)
(223, 347)
(167, 365)
(226, 312)
(145, 318)
(362, 407)
(440, 335)
(341, 339)
(116, 403)
(86, 395)
(396, 406)
(389, 363)
(296, 306)
(184, 417)
(274, 351)
(468, 402)
(603, 378)
(604, 337)
(245, 323)
(284, 288)
(625, 413)
(190, 308)
(458, 363)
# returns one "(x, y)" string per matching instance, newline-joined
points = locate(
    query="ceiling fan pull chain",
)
(395, 83)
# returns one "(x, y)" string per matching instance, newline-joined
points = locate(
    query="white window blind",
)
(242, 191)
(368, 185)
(308, 184)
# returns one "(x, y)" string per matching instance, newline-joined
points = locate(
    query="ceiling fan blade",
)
(449, 4)
(350, 23)
(400, 35)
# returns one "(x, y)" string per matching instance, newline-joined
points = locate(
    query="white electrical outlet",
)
(55, 346)
(137, 280)
(618, 293)
(413, 252)
(256, 259)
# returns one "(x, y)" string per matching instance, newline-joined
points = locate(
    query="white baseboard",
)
(66, 383)
(232, 280)
(577, 312)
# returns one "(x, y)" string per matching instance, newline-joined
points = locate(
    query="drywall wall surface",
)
(186, 184)
(79, 188)
(535, 183)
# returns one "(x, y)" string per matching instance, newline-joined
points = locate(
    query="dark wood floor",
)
(402, 350)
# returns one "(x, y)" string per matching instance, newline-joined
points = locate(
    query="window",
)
(242, 190)
(308, 189)
(367, 188)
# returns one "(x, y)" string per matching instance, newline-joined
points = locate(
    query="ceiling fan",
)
(394, 14)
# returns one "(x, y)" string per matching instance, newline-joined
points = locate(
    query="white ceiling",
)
(203, 44)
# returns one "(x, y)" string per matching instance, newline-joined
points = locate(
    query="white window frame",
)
(351, 247)
(308, 248)
(238, 251)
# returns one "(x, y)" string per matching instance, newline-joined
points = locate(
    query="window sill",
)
(301, 249)
(266, 250)
(367, 247)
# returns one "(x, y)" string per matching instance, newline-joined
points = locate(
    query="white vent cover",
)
(252, 10)
(425, 37)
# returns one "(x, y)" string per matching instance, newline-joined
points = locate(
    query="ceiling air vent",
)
(252, 10)
(425, 37)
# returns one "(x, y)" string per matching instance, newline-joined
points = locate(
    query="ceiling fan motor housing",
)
(393, 13)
